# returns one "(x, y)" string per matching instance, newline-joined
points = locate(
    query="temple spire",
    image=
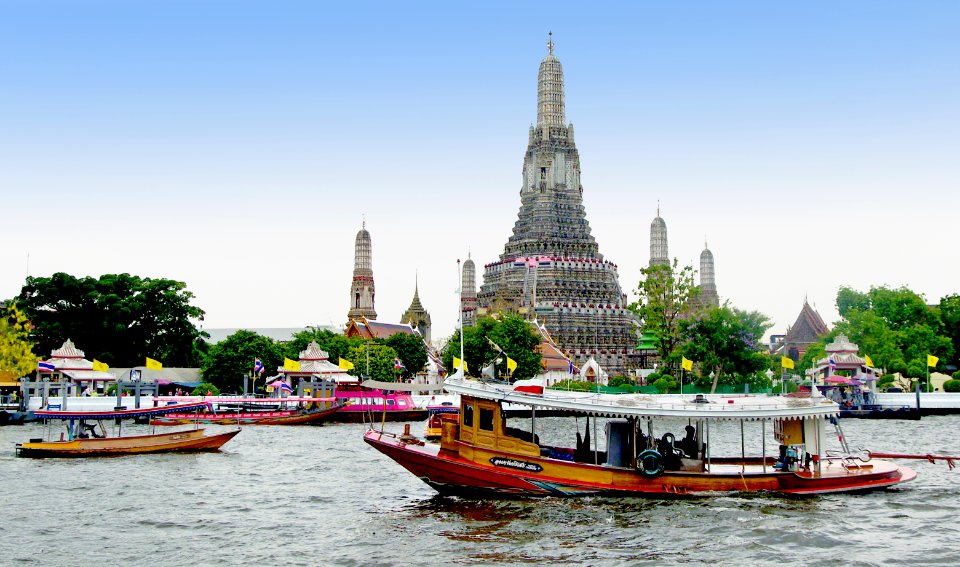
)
(550, 100)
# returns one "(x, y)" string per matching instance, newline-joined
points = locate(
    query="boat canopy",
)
(401, 386)
(125, 414)
(724, 407)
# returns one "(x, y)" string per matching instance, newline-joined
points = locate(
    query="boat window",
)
(468, 415)
(391, 402)
(401, 402)
(486, 419)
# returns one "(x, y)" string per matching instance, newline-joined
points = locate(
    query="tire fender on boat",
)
(650, 463)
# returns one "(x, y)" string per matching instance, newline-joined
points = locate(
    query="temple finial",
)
(364, 221)
(658, 207)
(550, 44)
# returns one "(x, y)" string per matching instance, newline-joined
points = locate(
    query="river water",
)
(320, 496)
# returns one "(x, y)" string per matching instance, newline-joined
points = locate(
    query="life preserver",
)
(650, 463)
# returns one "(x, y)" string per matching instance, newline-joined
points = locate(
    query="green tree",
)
(950, 316)
(411, 351)
(511, 333)
(665, 295)
(665, 383)
(231, 359)
(896, 328)
(119, 318)
(380, 359)
(16, 355)
(727, 342)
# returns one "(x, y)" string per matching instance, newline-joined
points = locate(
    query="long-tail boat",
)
(479, 454)
(86, 435)
(261, 411)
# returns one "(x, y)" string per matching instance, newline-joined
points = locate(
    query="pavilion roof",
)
(808, 327)
(376, 330)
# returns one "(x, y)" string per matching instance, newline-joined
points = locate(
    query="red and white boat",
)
(479, 454)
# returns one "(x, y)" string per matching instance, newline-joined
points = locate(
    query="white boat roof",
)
(733, 407)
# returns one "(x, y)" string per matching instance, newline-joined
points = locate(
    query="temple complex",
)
(361, 289)
(468, 293)
(551, 268)
(416, 316)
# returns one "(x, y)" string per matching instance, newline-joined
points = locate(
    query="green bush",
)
(951, 386)
(575, 385)
(956, 375)
(665, 383)
(203, 388)
(621, 381)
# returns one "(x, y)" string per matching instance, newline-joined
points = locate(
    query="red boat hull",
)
(515, 475)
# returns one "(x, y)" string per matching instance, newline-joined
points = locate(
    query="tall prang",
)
(659, 255)
(361, 289)
(468, 293)
(708, 279)
(551, 268)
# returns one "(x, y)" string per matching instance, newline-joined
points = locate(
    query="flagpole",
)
(460, 310)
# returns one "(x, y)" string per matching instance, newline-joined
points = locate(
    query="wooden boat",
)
(436, 414)
(261, 411)
(479, 454)
(84, 439)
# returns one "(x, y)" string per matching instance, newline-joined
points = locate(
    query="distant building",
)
(659, 253)
(468, 293)
(806, 330)
(416, 316)
(367, 329)
(361, 288)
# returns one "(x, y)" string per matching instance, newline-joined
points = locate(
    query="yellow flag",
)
(867, 360)
(786, 362)
(291, 365)
(153, 364)
(511, 364)
(686, 363)
(457, 363)
(932, 360)
(99, 366)
(345, 364)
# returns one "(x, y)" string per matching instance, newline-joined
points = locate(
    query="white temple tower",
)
(708, 282)
(658, 241)
(468, 293)
(362, 290)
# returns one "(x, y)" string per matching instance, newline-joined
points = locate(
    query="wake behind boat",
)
(480, 454)
(86, 435)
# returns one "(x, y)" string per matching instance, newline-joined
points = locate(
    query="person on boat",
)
(689, 442)
(86, 392)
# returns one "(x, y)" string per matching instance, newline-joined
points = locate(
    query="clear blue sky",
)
(237, 145)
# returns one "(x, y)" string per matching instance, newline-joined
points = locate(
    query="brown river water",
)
(320, 496)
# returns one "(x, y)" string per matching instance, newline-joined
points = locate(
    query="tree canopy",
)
(726, 342)
(665, 297)
(228, 361)
(118, 318)
(410, 350)
(16, 355)
(512, 333)
(896, 327)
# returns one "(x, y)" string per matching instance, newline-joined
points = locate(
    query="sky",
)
(238, 146)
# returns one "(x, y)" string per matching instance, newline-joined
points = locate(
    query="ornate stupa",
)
(658, 241)
(416, 316)
(468, 293)
(361, 289)
(551, 268)
(708, 282)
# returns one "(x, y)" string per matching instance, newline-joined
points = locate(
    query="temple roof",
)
(808, 327)
(68, 350)
(842, 344)
(367, 329)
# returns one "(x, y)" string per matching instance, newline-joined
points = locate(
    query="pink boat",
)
(367, 405)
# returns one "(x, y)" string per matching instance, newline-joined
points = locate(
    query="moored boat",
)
(436, 414)
(85, 439)
(261, 411)
(480, 454)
